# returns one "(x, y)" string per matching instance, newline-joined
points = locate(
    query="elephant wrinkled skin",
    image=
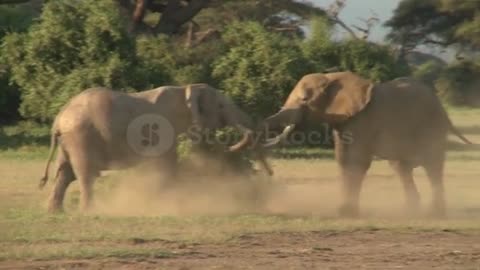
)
(401, 121)
(92, 129)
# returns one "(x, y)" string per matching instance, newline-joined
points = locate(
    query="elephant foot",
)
(86, 209)
(412, 207)
(438, 211)
(349, 211)
(55, 208)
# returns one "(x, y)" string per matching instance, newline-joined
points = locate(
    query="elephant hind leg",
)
(86, 163)
(404, 170)
(86, 174)
(64, 176)
(434, 170)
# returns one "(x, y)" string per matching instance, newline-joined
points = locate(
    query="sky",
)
(356, 9)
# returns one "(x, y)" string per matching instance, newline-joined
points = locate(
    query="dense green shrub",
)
(459, 84)
(163, 60)
(9, 98)
(237, 162)
(371, 60)
(15, 18)
(155, 60)
(428, 72)
(73, 46)
(259, 68)
(318, 48)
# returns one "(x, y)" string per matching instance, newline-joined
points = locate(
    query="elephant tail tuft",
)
(53, 144)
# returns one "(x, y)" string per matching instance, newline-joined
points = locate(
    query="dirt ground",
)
(375, 249)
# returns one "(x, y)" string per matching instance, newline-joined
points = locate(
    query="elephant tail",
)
(53, 143)
(457, 133)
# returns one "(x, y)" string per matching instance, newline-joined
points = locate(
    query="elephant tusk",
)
(244, 142)
(280, 138)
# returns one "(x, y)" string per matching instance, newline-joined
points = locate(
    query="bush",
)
(73, 46)
(370, 60)
(459, 84)
(237, 162)
(155, 60)
(15, 18)
(9, 98)
(163, 60)
(319, 49)
(428, 72)
(259, 68)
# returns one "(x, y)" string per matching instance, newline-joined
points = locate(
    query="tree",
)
(259, 68)
(436, 22)
(170, 17)
(369, 59)
(73, 46)
(12, 19)
(459, 84)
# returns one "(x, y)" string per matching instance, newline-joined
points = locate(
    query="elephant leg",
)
(85, 166)
(168, 168)
(404, 170)
(170, 164)
(434, 170)
(64, 176)
(352, 177)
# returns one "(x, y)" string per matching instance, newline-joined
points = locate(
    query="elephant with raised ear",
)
(401, 121)
(100, 129)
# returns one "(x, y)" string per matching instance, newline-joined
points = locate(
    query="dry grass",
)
(303, 196)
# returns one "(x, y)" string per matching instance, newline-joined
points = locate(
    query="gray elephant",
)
(401, 121)
(100, 129)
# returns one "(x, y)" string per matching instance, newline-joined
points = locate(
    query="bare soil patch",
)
(375, 249)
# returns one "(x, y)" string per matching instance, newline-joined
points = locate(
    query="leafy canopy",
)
(73, 46)
(259, 68)
(438, 22)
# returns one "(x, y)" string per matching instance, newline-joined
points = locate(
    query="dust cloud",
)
(142, 193)
(220, 192)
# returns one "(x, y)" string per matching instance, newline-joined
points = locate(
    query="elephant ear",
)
(193, 97)
(346, 95)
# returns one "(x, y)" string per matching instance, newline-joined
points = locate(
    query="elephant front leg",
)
(85, 165)
(168, 167)
(352, 177)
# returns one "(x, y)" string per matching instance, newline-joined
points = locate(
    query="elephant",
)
(401, 121)
(101, 129)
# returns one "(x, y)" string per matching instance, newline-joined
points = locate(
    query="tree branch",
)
(333, 15)
(175, 15)
(9, 2)
(344, 26)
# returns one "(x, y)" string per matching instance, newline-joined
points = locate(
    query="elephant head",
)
(211, 109)
(332, 98)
